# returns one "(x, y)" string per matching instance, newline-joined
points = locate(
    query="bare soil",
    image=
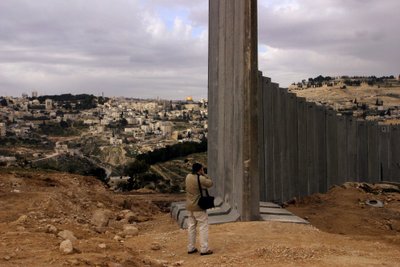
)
(343, 230)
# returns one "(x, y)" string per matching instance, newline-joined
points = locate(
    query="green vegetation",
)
(57, 129)
(144, 177)
(82, 101)
(71, 164)
(174, 151)
(33, 141)
(141, 177)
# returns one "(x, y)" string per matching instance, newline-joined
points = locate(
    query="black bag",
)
(207, 201)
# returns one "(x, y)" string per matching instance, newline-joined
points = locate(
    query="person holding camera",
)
(197, 215)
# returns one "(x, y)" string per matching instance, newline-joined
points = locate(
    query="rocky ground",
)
(59, 219)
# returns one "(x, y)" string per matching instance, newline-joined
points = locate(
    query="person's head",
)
(196, 167)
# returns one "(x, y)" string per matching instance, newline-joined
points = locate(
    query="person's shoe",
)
(193, 251)
(208, 252)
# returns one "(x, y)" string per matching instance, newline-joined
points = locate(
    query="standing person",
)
(196, 214)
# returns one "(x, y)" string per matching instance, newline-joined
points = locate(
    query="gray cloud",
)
(149, 48)
(119, 47)
(362, 34)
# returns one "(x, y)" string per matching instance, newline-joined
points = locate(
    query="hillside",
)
(372, 101)
(37, 209)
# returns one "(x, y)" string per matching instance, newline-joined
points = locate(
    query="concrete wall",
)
(233, 94)
(264, 143)
(310, 147)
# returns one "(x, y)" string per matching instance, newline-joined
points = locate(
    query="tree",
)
(64, 124)
(3, 102)
(137, 167)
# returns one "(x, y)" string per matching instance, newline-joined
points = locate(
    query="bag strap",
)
(201, 191)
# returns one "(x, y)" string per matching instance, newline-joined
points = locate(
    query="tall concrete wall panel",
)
(373, 152)
(269, 137)
(320, 148)
(277, 139)
(384, 149)
(284, 145)
(362, 151)
(266, 143)
(302, 189)
(261, 137)
(332, 148)
(394, 153)
(292, 143)
(220, 107)
(227, 157)
(351, 149)
(238, 134)
(213, 118)
(341, 149)
(309, 147)
(312, 176)
(233, 93)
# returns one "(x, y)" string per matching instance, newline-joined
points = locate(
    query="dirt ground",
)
(36, 207)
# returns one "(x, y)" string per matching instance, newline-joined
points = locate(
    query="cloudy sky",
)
(158, 48)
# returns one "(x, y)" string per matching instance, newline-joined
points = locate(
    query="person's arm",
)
(205, 181)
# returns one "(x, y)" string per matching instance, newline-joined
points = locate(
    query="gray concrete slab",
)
(275, 211)
(283, 218)
(269, 205)
(225, 214)
(225, 208)
(175, 209)
(218, 201)
(233, 216)
(182, 217)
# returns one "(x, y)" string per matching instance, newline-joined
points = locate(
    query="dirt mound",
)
(35, 206)
(355, 209)
(59, 219)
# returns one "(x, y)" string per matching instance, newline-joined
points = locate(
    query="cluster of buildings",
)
(344, 81)
(149, 124)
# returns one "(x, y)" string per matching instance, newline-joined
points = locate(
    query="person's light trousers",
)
(198, 218)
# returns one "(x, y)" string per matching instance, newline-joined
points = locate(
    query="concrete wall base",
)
(223, 213)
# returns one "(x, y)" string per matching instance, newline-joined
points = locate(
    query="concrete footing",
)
(223, 213)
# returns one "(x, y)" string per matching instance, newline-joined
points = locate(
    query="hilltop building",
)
(49, 104)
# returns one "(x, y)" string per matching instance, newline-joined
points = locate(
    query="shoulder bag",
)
(206, 201)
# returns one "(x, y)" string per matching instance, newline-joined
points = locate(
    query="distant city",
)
(64, 131)
(108, 131)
